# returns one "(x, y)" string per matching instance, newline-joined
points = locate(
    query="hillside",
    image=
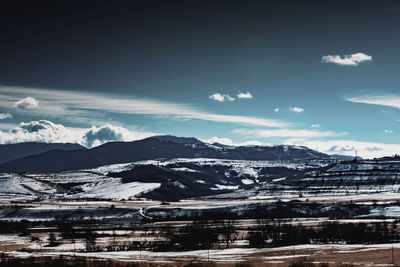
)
(10, 152)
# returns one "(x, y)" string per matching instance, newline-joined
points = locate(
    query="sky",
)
(324, 74)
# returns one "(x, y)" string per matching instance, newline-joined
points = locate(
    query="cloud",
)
(85, 107)
(40, 131)
(337, 149)
(221, 98)
(246, 95)
(229, 142)
(296, 109)
(373, 148)
(276, 110)
(348, 147)
(27, 103)
(5, 116)
(388, 131)
(382, 100)
(347, 60)
(48, 132)
(99, 135)
(268, 133)
(315, 125)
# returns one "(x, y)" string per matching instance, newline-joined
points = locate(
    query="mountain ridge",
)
(10, 152)
(151, 148)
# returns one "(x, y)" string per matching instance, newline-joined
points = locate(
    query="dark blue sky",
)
(169, 57)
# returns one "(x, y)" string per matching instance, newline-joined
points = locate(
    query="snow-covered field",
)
(68, 185)
(113, 188)
(360, 254)
(92, 194)
(245, 188)
(245, 166)
(94, 183)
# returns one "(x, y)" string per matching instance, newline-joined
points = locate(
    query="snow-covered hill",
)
(163, 179)
(68, 186)
(183, 178)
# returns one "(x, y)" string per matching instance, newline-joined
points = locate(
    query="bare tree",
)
(227, 230)
(53, 240)
(90, 241)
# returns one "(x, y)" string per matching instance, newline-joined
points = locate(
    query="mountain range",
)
(63, 157)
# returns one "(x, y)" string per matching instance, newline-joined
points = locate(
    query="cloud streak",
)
(78, 105)
(347, 147)
(285, 133)
(347, 60)
(229, 142)
(382, 100)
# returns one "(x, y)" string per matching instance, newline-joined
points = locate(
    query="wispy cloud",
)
(387, 131)
(347, 147)
(4, 116)
(221, 97)
(229, 142)
(347, 60)
(296, 109)
(27, 102)
(246, 95)
(285, 133)
(84, 106)
(382, 100)
(315, 125)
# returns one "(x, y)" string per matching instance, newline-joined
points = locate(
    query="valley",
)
(142, 211)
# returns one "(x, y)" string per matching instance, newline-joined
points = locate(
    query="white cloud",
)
(276, 110)
(229, 142)
(246, 95)
(87, 107)
(5, 116)
(296, 109)
(100, 135)
(315, 125)
(267, 133)
(348, 60)
(48, 132)
(221, 98)
(382, 100)
(27, 102)
(40, 131)
(387, 131)
(348, 147)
